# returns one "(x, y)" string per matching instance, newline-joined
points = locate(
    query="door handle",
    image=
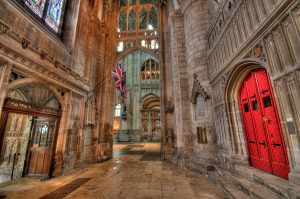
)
(252, 142)
(263, 143)
(275, 144)
(267, 120)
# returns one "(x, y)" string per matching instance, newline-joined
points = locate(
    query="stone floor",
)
(134, 172)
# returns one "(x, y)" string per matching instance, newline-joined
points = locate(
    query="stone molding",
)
(68, 78)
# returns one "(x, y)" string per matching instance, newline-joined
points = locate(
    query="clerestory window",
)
(51, 12)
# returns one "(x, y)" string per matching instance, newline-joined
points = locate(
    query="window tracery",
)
(150, 70)
(138, 25)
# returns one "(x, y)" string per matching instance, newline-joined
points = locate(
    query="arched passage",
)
(142, 79)
(150, 118)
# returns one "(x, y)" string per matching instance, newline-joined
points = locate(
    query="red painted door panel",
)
(263, 131)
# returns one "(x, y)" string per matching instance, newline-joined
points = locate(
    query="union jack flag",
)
(117, 73)
(119, 76)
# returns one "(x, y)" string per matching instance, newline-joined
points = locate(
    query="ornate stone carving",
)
(259, 52)
(25, 44)
(3, 29)
(198, 90)
(43, 55)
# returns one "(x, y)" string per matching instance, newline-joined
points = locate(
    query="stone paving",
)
(130, 174)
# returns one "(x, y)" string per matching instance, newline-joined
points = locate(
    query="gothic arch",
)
(30, 81)
(233, 81)
(130, 50)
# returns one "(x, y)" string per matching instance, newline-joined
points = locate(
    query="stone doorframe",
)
(6, 86)
(235, 77)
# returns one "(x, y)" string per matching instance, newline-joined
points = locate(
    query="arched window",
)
(122, 21)
(153, 17)
(118, 110)
(50, 11)
(150, 70)
(143, 19)
(131, 20)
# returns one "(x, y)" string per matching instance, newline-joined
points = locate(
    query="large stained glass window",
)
(50, 11)
(122, 22)
(153, 18)
(131, 20)
(143, 19)
(54, 14)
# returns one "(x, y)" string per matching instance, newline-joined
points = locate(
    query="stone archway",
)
(236, 136)
(150, 117)
(237, 132)
(29, 129)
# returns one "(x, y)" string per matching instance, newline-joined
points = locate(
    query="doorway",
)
(263, 131)
(28, 129)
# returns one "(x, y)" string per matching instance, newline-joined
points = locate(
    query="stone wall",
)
(244, 36)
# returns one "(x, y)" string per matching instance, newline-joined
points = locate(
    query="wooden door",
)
(41, 147)
(262, 126)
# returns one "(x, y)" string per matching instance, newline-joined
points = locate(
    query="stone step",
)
(252, 189)
(231, 191)
(272, 182)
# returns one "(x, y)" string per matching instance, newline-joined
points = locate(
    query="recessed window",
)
(50, 11)
(254, 105)
(246, 107)
(267, 101)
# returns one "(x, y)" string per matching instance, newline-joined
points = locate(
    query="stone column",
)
(5, 70)
(197, 17)
(181, 91)
(62, 135)
(166, 89)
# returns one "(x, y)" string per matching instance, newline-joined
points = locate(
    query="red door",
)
(263, 131)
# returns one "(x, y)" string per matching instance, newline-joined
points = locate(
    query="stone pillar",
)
(166, 89)
(62, 135)
(5, 70)
(197, 17)
(181, 91)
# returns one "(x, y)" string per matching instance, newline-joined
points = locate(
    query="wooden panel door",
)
(40, 151)
(272, 125)
(263, 131)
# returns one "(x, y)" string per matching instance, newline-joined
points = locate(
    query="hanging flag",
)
(117, 73)
(119, 76)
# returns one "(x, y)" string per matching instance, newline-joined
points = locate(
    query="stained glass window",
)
(54, 14)
(37, 6)
(132, 2)
(143, 19)
(122, 21)
(50, 11)
(123, 3)
(153, 18)
(131, 20)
